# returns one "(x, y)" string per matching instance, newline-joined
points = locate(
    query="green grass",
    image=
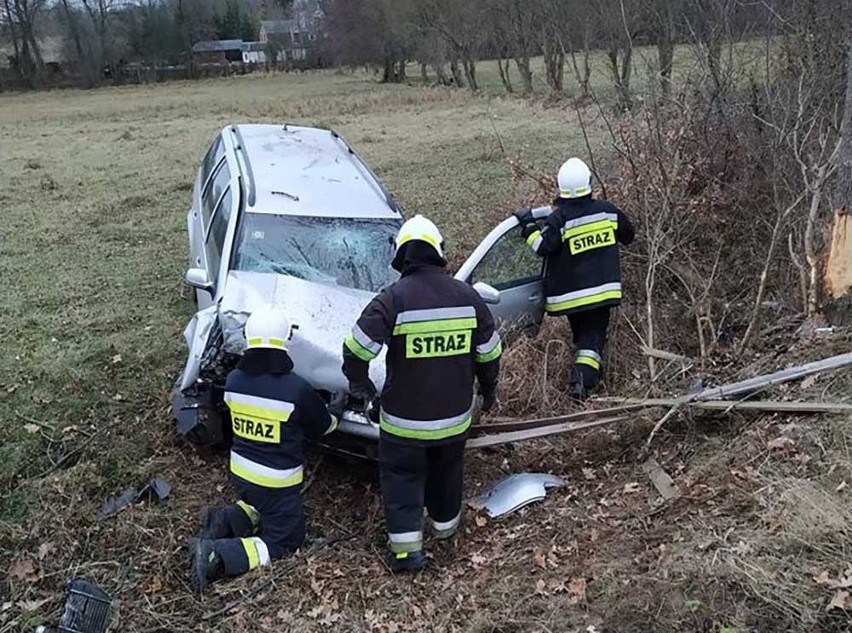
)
(96, 185)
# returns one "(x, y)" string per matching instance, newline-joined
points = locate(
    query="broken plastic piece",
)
(156, 489)
(515, 492)
(87, 609)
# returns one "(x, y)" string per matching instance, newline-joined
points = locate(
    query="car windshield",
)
(355, 253)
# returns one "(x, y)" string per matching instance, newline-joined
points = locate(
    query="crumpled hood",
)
(324, 316)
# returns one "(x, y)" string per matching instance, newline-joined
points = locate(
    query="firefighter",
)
(579, 241)
(273, 411)
(440, 337)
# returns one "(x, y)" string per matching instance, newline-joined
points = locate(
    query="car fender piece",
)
(197, 333)
(515, 492)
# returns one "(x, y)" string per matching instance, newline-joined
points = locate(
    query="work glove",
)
(336, 404)
(374, 409)
(525, 217)
(363, 390)
(489, 399)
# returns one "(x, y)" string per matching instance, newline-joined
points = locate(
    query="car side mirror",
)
(197, 278)
(489, 294)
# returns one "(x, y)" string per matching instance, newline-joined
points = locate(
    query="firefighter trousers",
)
(589, 331)
(266, 524)
(414, 476)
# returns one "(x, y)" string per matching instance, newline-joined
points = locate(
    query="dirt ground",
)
(95, 187)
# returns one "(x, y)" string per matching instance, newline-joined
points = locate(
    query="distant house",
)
(254, 53)
(217, 51)
(296, 39)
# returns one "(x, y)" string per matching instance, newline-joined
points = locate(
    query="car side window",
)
(217, 184)
(218, 229)
(215, 153)
(509, 263)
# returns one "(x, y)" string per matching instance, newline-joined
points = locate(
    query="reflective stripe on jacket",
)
(579, 241)
(440, 336)
(272, 414)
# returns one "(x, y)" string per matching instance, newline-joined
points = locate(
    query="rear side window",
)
(217, 185)
(214, 155)
(218, 229)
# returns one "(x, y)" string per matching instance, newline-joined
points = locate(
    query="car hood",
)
(322, 314)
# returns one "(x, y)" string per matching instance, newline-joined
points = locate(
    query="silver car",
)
(292, 216)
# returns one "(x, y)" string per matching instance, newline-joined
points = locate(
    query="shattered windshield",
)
(355, 253)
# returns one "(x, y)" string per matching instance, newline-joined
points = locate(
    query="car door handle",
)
(536, 298)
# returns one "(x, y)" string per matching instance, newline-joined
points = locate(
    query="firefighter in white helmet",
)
(273, 411)
(440, 337)
(579, 241)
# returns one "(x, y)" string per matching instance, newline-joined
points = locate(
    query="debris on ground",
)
(157, 489)
(87, 609)
(515, 492)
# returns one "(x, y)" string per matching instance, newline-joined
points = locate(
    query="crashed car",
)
(292, 216)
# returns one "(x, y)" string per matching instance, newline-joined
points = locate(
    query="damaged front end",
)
(322, 316)
(198, 398)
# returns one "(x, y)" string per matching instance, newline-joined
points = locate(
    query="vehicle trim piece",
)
(515, 492)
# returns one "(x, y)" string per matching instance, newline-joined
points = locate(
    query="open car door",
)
(505, 262)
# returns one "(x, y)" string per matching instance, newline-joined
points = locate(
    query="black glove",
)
(525, 216)
(489, 399)
(374, 408)
(363, 390)
(336, 404)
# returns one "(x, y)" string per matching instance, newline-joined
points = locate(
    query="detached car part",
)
(87, 609)
(515, 492)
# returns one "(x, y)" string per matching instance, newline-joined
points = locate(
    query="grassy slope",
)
(95, 187)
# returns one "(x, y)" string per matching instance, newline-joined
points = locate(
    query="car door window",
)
(215, 153)
(213, 192)
(508, 263)
(216, 236)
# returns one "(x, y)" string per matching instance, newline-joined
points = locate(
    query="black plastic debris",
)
(157, 489)
(87, 609)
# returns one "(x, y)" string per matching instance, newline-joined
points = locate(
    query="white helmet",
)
(423, 229)
(267, 327)
(575, 179)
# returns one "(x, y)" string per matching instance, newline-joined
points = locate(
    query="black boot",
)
(207, 565)
(578, 392)
(407, 561)
(214, 524)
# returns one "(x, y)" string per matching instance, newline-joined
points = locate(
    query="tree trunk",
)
(522, 61)
(440, 74)
(424, 74)
(665, 54)
(456, 71)
(401, 76)
(838, 274)
(74, 29)
(13, 32)
(504, 75)
(388, 75)
(469, 66)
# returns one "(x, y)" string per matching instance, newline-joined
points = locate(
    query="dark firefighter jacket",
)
(579, 241)
(273, 412)
(440, 335)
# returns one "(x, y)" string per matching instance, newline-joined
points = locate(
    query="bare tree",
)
(460, 24)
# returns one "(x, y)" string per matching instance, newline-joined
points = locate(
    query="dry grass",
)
(95, 187)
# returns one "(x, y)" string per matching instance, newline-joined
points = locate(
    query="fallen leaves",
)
(780, 443)
(840, 601)
(632, 488)
(44, 549)
(23, 569)
(32, 429)
(577, 590)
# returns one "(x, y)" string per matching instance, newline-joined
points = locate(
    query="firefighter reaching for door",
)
(273, 412)
(582, 279)
(440, 336)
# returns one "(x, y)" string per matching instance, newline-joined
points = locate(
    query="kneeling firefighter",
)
(440, 336)
(273, 412)
(579, 241)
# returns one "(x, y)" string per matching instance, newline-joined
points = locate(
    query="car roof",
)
(307, 171)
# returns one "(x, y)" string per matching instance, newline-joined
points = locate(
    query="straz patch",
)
(592, 240)
(438, 344)
(257, 429)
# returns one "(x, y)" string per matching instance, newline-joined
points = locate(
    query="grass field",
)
(95, 187)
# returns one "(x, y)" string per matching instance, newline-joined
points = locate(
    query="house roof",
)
(279, 26)
(253, 47)
(217, 46)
